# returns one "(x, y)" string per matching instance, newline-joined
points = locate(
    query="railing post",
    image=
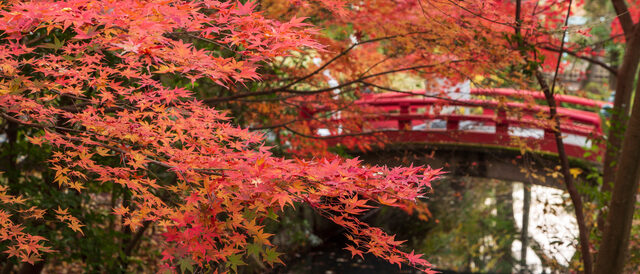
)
(452, 124)
(549, 135)
(404, 123)
(502, 127)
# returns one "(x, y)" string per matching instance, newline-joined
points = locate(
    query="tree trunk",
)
(621, 106)
(27, 268)
(9, 155)
(564, 161)
(615, 240)
(506, 228)
(568, 179)
(524, 234)
(622, 11)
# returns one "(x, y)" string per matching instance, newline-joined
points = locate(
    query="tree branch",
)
(310, 92)
(208, 171)
(344, 52)
(612, 70)
(622, 11)
(336, 136)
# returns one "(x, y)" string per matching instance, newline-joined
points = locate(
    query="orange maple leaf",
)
(283, 198)
(354, 251)
(75, 226)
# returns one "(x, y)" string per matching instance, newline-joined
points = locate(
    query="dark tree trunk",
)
(615, 240)
(621, 106)
(524, 234)
(36, 268)
(10, 155)
(622, 101)
(576, 199)
(506, 229)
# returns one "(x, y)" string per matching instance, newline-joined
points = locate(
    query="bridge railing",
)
(411, 118)
(407, 111)
(497, 92)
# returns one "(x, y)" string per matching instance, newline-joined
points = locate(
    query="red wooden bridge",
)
(487, 118)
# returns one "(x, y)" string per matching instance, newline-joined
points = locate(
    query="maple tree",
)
(103, 88)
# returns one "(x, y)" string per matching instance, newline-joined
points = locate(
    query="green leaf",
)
(271, 256)
(271, 214)
(254, 249)
(186, 264)
(234, 261)
(57, 44)
(249, 214)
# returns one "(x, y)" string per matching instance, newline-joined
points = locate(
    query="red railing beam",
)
(493, 92)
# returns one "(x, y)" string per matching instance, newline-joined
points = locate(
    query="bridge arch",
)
(491, 162)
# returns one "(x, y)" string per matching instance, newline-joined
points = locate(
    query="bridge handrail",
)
(406, 105)
(506, 92)
(561, 98)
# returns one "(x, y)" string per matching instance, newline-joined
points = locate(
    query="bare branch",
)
(344, 52)
(336, 136)
(612, 70)
(309, 92)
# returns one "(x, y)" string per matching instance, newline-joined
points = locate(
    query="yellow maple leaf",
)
(77, 186)
(138, 160)
(575, 172)
(102, 151)
(61, 211)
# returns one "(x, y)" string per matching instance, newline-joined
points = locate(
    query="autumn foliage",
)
(195, 124)
(89, 80)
